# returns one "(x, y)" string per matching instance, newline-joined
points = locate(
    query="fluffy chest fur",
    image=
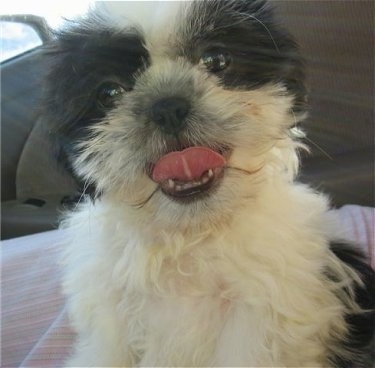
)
(232, 296)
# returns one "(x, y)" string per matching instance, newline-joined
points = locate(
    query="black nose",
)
(170, 114)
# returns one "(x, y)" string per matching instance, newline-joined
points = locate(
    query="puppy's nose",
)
(170, 114)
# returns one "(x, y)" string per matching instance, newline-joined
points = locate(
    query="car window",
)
(54, 12)
(17, 38)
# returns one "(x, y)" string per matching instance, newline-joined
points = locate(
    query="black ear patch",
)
(85, 57)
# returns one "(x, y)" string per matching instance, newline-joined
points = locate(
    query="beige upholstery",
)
(38, 173)
(337, 41)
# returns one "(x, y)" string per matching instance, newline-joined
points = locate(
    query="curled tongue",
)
(187, 165)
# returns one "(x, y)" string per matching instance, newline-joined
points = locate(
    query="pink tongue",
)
(189, 164)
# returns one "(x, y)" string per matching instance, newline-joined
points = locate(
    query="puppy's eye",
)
(108, 93)
(215, 60)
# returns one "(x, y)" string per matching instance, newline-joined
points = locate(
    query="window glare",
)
(53, 12)
(17, 38)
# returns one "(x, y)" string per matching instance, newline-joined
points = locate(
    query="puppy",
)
(196, 247)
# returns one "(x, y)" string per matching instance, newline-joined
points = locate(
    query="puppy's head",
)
(182, 110)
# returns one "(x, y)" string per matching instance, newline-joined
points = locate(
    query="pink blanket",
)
(35, 330)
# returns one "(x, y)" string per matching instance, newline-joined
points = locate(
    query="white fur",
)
(251, 294)
(155, 19)
(237, 280)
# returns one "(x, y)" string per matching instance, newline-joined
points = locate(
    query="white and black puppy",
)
(196, 246)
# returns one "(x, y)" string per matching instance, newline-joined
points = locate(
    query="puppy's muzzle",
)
(170, 114)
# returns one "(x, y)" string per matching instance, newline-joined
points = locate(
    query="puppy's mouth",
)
(189, 174)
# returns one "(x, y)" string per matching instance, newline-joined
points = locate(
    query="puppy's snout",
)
(170, 114)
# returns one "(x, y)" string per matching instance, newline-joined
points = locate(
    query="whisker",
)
(244, 171)
(319, 148)
(267, 30)
(83, 194)
(245, 17)
(309, 140)
(141, 204)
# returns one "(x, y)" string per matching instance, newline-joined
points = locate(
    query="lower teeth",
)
(191, 184)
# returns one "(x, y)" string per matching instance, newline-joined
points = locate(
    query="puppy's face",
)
(181, 110)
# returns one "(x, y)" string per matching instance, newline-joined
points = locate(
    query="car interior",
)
(336, 39)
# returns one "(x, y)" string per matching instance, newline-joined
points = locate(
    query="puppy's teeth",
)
(190, 184)
(171, 183)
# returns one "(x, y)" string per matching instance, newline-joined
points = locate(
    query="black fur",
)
(262, 51)
(82, 57)
(360, 340)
